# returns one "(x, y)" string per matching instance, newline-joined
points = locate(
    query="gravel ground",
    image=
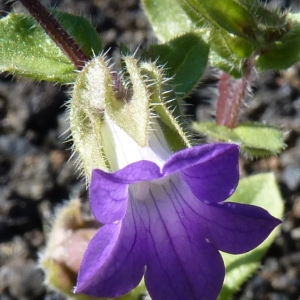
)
(37, 173)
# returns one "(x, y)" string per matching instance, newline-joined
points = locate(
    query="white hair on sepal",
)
(162, 87)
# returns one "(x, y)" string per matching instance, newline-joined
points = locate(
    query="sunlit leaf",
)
(255, 139)
(27, 50)
(184, 58)
(168, 18)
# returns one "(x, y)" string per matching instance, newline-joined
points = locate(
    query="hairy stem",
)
(231, 94)
(56, 32)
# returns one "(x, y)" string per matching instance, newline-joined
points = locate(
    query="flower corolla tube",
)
(165, 217)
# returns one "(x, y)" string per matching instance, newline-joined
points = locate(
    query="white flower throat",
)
(124, 150)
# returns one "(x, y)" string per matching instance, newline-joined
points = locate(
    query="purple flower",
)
(167, 222)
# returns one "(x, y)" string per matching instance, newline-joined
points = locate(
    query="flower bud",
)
(66, 245)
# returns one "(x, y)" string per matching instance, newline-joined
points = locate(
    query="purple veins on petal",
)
(180, 264)
(169, 225)
(211, 170)
(109, 191)
(114, 262)
(236, 228)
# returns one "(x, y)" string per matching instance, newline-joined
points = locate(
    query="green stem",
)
(56, 32)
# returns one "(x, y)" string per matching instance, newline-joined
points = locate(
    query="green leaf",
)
(227, 14)
(285, 52)
(247, 19)
(230, 65)
(166, 27)
(82, 31)
(234, 30)
(260, 190)
(185, 59)
(229, 52)
(255, 139)
(168, 18)
(228, 45)
(27, 50)
(259, 139)
(215, 132)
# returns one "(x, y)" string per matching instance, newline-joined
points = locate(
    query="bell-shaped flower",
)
(165, 218)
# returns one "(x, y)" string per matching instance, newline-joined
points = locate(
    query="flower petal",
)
(109, 191)
(114, 261)
(236, 228)
(210, 170)
(184, 270)
(108, 198)
(230, 227)
(179, 264)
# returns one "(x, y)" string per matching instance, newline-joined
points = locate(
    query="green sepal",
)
(102, 98)
(131, 112)
(260, 190)
(163, 102)
(28, 51)
(92, 86)
(184, 59)
(82, 31)
(255, 139)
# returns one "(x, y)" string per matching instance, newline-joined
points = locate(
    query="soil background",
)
(37, 173)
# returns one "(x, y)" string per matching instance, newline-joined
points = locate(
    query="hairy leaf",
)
(255, 139)
(184, 58)
(27, 50)
(168, 18)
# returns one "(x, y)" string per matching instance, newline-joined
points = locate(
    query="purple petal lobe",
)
(230, 227)
(109, 191)
(114, 262)
(236, 228)
(180, 264)
(211, 170)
